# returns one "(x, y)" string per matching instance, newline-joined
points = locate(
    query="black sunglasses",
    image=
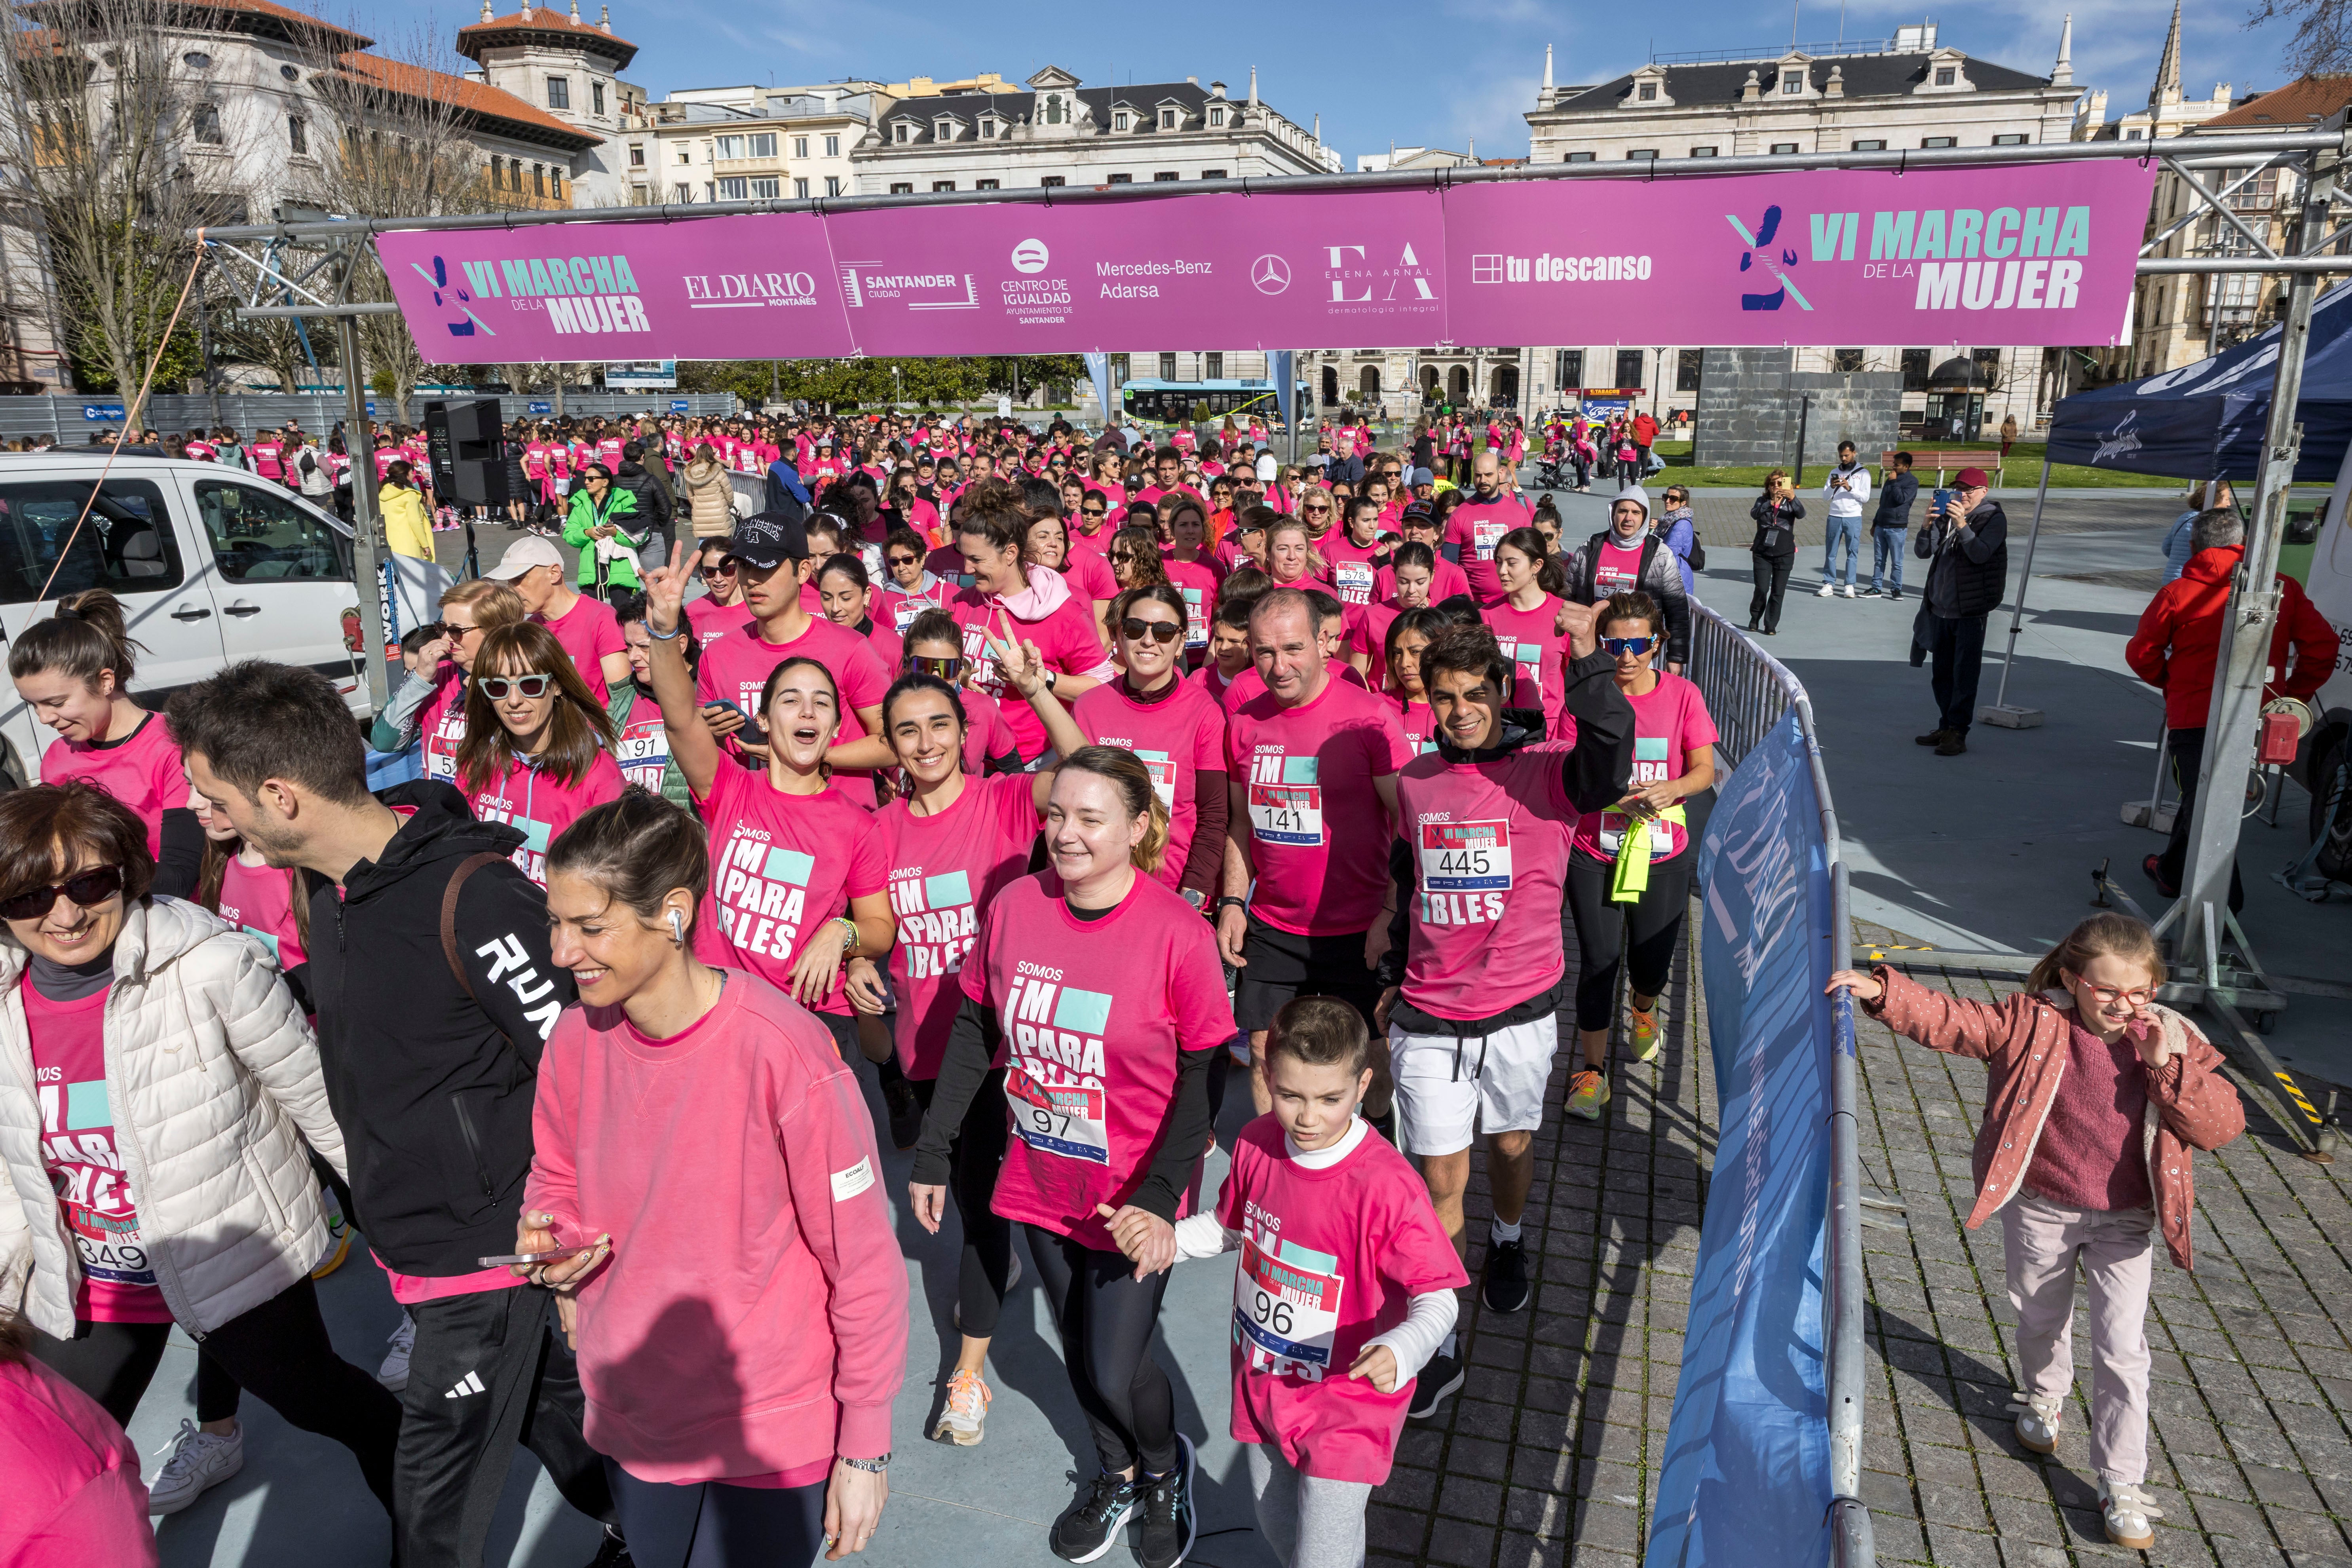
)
(902, 560)
(1094, 511)
(84, 888)
(1161, 632)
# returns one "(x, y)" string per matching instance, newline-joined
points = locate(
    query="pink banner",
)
(2019, 256)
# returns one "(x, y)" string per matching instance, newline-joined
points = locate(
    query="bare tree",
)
(2322, 44)
(116, 153)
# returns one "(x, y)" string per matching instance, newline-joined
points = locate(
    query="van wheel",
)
(2331, 814)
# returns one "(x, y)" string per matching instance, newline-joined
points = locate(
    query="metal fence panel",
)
(73, 420)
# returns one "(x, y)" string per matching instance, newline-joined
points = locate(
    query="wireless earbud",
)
(677, 928)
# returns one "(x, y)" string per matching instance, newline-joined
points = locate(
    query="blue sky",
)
(1440, 73)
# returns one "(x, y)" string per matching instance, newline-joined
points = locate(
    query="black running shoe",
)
(1089, 1525)
(1444, 1375)
(906, 1111)
(1506, 1286)
(1165, 1536)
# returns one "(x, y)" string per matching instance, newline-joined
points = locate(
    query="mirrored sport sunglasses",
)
(947, 669)
(1616, 647)
(1135, 630)
(85, 890)
(496, 687)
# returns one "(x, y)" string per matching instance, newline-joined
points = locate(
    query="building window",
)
(1217, 119)
(559, 92)
(709, 190)
(1121, 179)
(1567, 368)
(902, 133)
(1641, 153)
(555, 181)
(1167, 367)
(1702, 152)
(1053, 180)
(943, 130)
(799, 190)
(734, 190)
(901, 188)
(1947, 76)
(685, 154)
(1212, 174)
(800, 146)
(1213, 367)
(988, 130)
(833, 146)
(767, 190)
(1686, 368)
(1915, 363)
(1783, 147)
(298, 135)
(763, 144)
(595, 98)
(833, 185)
(637, 154)
(2132, 134)
(1939, 141)
(1119, 122)
(1870, 146)
(943, 185)
(539, 179)
(987, 185)
(726, 147)
(204, 123)
(1578, 158)
(2010, 139)
(196, 60)
(1167, 119)
(1792, 85)
(681, 193)
(1988, 363)
(1166, 177)
(1846, 361)
(1646, 93)
(1629, 367)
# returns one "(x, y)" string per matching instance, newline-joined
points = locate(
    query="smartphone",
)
(553, 1255)
(751, 726)
(1937, 502)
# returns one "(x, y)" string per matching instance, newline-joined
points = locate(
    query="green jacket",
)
(620, 509)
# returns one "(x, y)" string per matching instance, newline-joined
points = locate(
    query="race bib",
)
(1529, 657)
(1289, 814)
(1613, 824)
(1484, 536)
(1163, 775)
(1064, 1120)
(1196, 619)
(1466, 857)
(1287, 1307)
(643, 756)
(1354, 581)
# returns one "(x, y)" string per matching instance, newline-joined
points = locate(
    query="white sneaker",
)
(200, 1461)
(1849, 590)
(2037, 1422)
(2127, 1509)
(393, 1372)
(1827, 589)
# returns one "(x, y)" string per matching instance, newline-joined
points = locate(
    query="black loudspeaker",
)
(466, 445)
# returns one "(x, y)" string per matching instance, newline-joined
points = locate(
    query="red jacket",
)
(1646, 430)
(2021, 1039)
(2180, 636)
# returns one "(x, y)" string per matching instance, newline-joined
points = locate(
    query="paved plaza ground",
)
(1549, 1453)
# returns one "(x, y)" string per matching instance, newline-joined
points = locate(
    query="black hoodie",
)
(433, 1089)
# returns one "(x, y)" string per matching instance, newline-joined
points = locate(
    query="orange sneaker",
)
(1643, 1033)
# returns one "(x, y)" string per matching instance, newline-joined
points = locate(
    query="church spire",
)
(2166, 90)
(2063, 73)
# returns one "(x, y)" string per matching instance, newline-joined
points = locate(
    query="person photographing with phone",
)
(738, 1384)
(1776, 514)
(1966, 544)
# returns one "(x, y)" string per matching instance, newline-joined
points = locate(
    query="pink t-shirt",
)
(781, 866)
(1418, 722)
(1476, 528)
(1177, 738)
(1529, 641)
(736, 668)
(712, 620)
(1446, 580)
(1489, 843)
(1367, 633)
(898, 606)
(1669, 721)
(944, 870)
(885, 640)
(74, 1497)
(543, 805)
(1318, 832)
(1330, 1258)
(1616, 569)
(260, 899)
(94, 1196)
(1090, 574)
(1091, 1072)
(1198, 583)
(1065, 637)
(444, 725)
(588, 631)
(1354, 576)
(142, 770)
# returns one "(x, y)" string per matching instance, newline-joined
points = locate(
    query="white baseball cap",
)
(522, 555)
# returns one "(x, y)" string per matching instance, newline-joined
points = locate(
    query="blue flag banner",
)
(1745, 1478)
(1280, 365)
(1098, 372)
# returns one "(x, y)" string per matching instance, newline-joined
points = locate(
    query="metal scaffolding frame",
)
(2205, 949)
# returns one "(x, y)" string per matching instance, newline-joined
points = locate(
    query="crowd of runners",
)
(1064, 787)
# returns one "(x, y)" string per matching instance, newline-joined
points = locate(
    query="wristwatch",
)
(871, 1467)
(1195, 897)
(1232, 902)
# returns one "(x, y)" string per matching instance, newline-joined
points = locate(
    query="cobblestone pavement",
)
(2249, 1453)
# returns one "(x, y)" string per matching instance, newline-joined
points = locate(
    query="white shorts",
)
(1448, 1089)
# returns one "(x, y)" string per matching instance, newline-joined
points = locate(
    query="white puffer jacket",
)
(212, 1077)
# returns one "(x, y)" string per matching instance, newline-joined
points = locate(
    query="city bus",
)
(1154, 401)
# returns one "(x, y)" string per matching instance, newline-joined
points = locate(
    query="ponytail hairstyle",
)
(1001, 526)
(212, 870)
(638, 849)
(848, 565)
(85, 639)
(1127, 775)
(1531, 544)
(2108, 935)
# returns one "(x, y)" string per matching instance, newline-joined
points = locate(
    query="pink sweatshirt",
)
(72, 1488)
(751, 1322)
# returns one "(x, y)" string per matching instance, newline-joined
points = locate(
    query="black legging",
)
(1105, 1315)
(974, 1155)
(709, 1524)
(1771, 587)
(279, 1350)
(1658, 923)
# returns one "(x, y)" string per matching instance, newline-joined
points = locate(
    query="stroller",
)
(1550, 468)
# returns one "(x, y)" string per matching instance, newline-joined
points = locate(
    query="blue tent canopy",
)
(2206, 420)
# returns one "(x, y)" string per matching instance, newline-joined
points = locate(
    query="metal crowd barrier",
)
(1748, 693)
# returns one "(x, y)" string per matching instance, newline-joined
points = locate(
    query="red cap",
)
(1971, 478)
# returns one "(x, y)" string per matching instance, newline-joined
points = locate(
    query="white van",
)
(2330, 742)
(212, 563)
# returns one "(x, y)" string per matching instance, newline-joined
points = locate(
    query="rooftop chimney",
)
(1216, 90)
(1253, 86)
(2063, 73)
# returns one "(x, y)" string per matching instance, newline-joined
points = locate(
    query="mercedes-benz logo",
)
(1270, 273)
